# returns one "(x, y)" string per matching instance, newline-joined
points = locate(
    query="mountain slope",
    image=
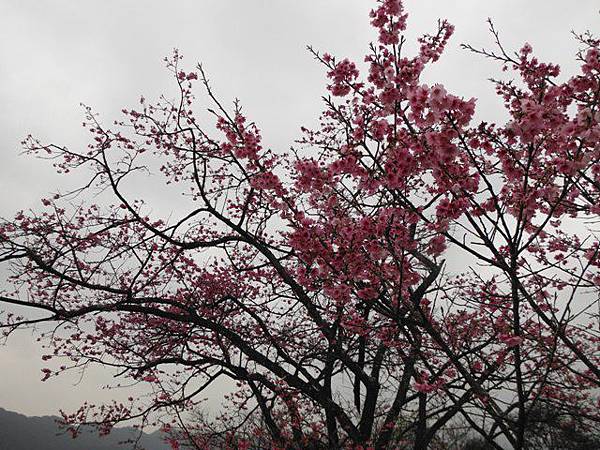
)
(19, 432)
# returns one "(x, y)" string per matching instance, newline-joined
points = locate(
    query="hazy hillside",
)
(19, 432)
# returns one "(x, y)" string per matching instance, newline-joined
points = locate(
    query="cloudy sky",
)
(57, 54)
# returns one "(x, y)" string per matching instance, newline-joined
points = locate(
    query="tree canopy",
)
(402, 271)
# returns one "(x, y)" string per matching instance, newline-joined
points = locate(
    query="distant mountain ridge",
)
(20, 432)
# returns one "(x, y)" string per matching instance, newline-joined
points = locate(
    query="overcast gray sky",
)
(56, 54)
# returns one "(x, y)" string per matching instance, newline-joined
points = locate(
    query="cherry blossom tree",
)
(404, 269)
